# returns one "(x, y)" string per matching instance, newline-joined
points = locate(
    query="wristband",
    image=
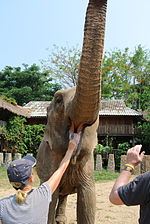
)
(129, 165)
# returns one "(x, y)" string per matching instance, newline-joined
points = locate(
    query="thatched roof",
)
(38, 108)
(117, 108)
(108, 107)
(15, 109)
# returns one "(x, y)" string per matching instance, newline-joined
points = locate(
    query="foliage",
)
(123, 147)
(126, 76)
(9, 100)
(13, 134)
(63, 65)
(104, 151)
(32, 138)
(26, 84)
(145, 132)
(100, 149)
(104, 175)
(21, 137)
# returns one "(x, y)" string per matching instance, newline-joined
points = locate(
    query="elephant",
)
(79, 105)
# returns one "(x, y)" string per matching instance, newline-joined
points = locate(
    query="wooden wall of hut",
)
(117, 125)
(37, 120)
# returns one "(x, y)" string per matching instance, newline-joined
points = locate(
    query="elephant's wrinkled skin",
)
(79, 105)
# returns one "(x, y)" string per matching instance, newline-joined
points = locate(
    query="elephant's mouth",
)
(76, 128)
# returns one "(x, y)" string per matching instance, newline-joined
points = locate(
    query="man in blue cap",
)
(30, 206)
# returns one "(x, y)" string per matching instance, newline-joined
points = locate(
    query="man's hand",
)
(134, 157)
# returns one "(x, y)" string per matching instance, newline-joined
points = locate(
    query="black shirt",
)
(137, 192)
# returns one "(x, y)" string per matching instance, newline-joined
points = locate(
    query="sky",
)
(29, 27)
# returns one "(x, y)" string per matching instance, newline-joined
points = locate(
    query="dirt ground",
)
(106, 213)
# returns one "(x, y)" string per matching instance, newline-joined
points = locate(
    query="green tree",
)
(13, 134)
(126, 76)
(144, 128)
(63, 65)
(22, 138)
(32, 137)
(140, 65)
(26, 84)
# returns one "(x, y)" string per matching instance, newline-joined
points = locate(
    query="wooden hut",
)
(115, 119)
(118, 121)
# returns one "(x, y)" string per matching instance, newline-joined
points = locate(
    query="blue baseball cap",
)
(20, 170)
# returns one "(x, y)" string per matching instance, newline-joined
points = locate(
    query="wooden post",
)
(29, 154)
(111, 163)
(8, 158)
(143, 168)
(98, 162)
(17, 156)
(122, 162)
(1, 158)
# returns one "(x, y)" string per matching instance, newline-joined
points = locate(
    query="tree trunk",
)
(85, 105)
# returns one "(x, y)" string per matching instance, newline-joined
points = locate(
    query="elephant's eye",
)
(58, 103)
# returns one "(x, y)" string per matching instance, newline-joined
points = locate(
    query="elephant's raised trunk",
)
(85, 105)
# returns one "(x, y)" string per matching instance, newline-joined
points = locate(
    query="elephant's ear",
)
(43, 160)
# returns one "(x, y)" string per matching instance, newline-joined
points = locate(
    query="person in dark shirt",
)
(136, 192)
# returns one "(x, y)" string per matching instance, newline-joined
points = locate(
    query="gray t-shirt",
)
(33, 211)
